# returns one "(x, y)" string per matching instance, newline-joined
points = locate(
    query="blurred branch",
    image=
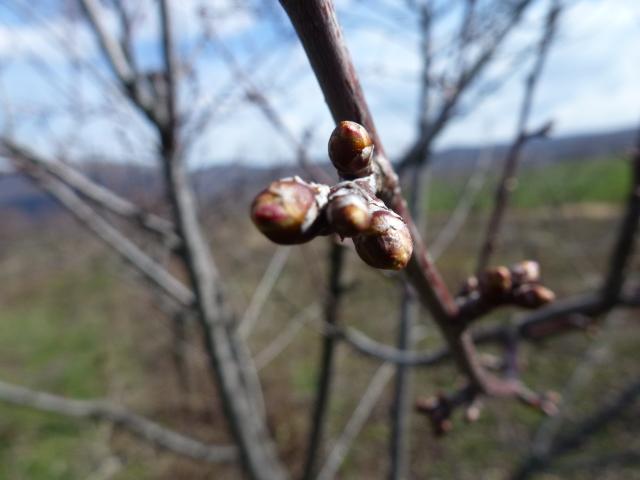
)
(507, 182)
(103, 410)
(150, 270)
(356, 422)
(464, 79)
(335, 290)
(262, 291)
(94, 192)
(625, 241)
(128, 78)
(260, 100)
(586, 428)
(464, 205)
(285, 337)
(229, 359)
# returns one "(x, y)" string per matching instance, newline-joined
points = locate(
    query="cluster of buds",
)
(439, 408)
(292, 211)
(517, 285)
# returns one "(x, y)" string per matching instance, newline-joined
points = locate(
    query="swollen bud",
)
(495, 282)
(387, 244)
(285, 211)
(532, 296)
(351, 149)
(348, 215)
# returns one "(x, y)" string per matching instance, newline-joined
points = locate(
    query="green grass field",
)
(573, 181)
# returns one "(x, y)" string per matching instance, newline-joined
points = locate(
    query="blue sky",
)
(58, 106)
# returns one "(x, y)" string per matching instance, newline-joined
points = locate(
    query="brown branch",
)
(317, 27)
(103, 410)
(318, 30)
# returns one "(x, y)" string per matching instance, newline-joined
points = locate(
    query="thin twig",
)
(150, 270)
(262, 291)
(507, 180)
(585, 429)
(97, 194)
(360, 415)
(103, 410)
(325, 376)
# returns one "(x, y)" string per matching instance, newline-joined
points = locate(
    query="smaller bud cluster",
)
(291, 211)
(517, 285)
(440, 408)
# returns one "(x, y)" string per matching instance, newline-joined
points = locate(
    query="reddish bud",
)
(495, 281)
(387, 244)
(285, 210)
(526, 271)
(348, 215)
(351, 149)
(532, 296)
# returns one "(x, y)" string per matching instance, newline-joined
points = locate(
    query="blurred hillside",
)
(17, 194)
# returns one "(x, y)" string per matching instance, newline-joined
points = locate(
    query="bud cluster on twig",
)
(292, 211)
(439, 408)
(518, 285)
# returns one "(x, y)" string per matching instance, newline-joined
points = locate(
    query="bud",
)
(387, 244)
(285, 211)
(348, 215)
(472, 413)
(495, 282)
(532, 296)
(526, 271)
(351, 149)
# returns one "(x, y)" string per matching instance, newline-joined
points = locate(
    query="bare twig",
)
(262, 291)
(323, 388)
(507, 180)
(611, 411)
(228, 356)
(463, 80)
(103, 410)
(341, 446)
(128, 78)
(278, 344)
(99, 195)
(150, 270)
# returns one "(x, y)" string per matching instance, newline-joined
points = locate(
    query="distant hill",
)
(142, 184)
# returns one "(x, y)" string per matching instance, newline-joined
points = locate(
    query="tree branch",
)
(150, 270)
(103, 410)
(128, 78)
(507, 180)
(99, 195)
(323, 387)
